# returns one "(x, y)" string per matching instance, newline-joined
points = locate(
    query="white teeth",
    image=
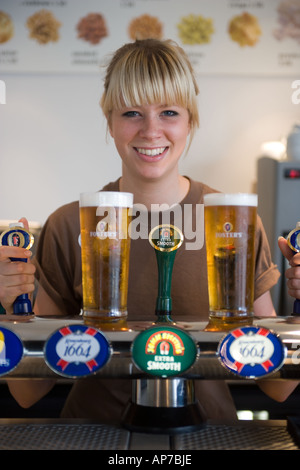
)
(151, 152)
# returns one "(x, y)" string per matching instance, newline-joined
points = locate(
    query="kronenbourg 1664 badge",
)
(252, 352)
(77, 351)
(11, 350)
(164, 351)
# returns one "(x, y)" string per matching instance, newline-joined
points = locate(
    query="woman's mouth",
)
(154, 152)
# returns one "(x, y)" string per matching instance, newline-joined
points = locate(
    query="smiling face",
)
(150, 72)
(150, 103)
(150, 138)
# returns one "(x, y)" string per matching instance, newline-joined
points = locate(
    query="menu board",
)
(251, 37)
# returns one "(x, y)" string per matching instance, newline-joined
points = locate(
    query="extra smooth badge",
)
(164, 351)
(252, 352)
(166, 238)
(77, 351)
(11, 351)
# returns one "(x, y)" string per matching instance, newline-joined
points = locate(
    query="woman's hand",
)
(293, 273)
(16, 277)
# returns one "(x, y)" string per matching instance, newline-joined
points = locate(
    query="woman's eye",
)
(130, 113)
(169, 112)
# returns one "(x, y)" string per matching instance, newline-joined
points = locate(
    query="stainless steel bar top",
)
(34, 333)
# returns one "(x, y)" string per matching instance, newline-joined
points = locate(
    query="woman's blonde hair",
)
(150, 71)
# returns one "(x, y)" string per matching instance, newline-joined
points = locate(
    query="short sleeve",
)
(58, 259)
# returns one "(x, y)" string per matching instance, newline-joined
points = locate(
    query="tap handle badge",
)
(17, 235)
(165, 238)
(293, 240)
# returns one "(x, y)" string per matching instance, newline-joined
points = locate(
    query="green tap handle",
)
(166, 239)
(165, 263)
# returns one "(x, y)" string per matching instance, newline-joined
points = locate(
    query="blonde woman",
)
(150, 103)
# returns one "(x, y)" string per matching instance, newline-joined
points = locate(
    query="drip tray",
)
(252, 435)
(53, 435)
(56, 434)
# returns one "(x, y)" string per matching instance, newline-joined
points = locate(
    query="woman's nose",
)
(151, 127)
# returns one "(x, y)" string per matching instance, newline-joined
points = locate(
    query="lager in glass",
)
(105, 249)
(230, 222)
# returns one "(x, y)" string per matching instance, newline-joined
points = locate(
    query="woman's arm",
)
(263, 306)
(278, 390)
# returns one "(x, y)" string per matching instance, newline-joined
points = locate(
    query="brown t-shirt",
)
(58, 262)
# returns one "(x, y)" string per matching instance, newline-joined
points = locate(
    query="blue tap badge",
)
(252, 352)
(11, 351)
(76, 351)
(293, 238)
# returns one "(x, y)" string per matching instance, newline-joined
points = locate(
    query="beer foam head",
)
(106, 199)
(235, 199)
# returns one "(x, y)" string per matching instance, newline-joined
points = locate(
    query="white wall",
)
(53, 138)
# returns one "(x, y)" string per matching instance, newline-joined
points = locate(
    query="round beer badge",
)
(252, 352)
(17, 236)
(76, 351)
(164, 351)
(293, 238)
(11, 351)
(166, 238)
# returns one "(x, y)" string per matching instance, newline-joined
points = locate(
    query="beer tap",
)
(162, 401)
(293, 240)
(16, 235)
(165, 239)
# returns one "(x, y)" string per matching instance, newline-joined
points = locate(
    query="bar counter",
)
(58, 434)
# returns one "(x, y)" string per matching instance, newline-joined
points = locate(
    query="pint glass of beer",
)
(105, 249)
(230, 222)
